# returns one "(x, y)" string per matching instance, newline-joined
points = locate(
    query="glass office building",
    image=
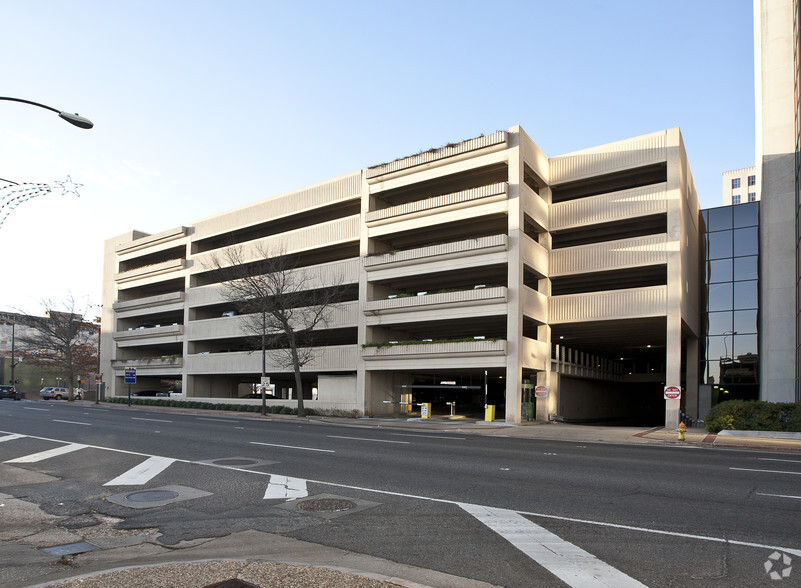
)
(730, 364)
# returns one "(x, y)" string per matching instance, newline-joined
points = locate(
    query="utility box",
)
(425, 410)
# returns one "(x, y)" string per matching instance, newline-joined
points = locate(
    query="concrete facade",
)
(776, 40)
(740, 186)
(478, 270)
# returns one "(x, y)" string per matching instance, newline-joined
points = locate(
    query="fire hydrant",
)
(682, 431)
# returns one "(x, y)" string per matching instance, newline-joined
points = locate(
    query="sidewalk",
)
(123, 558)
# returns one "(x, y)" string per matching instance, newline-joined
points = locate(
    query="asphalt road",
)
(489, 508)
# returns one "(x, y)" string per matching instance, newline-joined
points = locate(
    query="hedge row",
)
(208, 405)
(754, 415)
(273, 409)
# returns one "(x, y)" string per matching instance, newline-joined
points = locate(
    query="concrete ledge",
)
(761, 434)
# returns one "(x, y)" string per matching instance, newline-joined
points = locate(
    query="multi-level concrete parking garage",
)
(483, 267)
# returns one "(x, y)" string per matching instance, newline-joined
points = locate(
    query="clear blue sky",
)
(204, 106)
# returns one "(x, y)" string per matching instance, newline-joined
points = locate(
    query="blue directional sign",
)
(130, 375)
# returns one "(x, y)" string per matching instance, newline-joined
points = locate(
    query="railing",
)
(458, 298)
(609, 207)
(436, 154)
(149, 302)
(150, 362)
(443, 251)
(148, 271)
(609, 255)
(450, 349)
(430, 204)
(609, 305)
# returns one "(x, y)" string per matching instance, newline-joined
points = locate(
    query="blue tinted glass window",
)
(744, 344)
(752, 197)
(720, 322)
(717, 347)
(720, 297)
(745, 215)
(745, 268)
(752, 180)
(745, 321)
(719, 219)
(735, 183)
(746, 241)
(745, 295)
(719, 244)
(720, 270)
(735, 199)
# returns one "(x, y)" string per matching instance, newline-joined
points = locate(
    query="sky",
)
(204, 106)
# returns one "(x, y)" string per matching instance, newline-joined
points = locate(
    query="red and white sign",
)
(541, 391)
(672, 392)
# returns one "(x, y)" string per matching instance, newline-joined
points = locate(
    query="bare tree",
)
(62, 335)
(279, 304)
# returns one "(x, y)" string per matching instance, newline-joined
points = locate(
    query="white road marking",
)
(366, 439)
(143, 473)
(287, 488)
(32, 408)
(11, 437)
(217, 420)
(779, 495)
(72, 423)
(154, 420)
(566, 561)
(427, 436)
(766, 471)
(42, 455)
(292, 447)
(707, 538)
(777, 459)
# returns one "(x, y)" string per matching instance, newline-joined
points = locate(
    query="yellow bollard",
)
(489, 412)
(682, 431)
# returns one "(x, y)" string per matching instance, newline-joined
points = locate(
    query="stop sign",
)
(672, 392)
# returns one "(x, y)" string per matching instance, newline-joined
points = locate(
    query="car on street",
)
(11, 392)
(57, 393)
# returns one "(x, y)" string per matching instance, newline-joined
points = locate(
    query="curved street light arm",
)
(74, 119)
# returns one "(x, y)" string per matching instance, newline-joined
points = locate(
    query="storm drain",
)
(233, 583)
(327, 506)
(238, 462)
(154, 497)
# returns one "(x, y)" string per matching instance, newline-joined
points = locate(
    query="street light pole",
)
(73, 119)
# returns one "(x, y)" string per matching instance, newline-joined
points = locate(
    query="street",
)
(502, 510)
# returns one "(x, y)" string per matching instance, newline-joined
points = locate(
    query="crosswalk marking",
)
(143, 473)
(284, 487)
(11, 437)
(566, 561)
(42, 455)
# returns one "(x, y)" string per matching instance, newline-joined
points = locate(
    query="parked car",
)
(56, 393)
(11, 392)
(146, 393)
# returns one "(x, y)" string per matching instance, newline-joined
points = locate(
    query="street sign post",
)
(130, 378)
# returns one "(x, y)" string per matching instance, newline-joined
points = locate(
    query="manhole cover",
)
(151, 496)
(326, 505)
(235, 462)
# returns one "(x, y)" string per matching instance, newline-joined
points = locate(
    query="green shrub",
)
(754, 415)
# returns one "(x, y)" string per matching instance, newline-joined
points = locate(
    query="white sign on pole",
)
(672, 392)
(541, 391)
(265, 380)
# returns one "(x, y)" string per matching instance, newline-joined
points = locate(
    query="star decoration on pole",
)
(69, 187)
